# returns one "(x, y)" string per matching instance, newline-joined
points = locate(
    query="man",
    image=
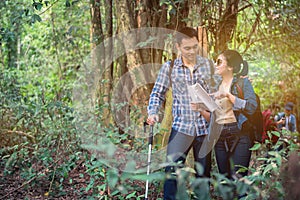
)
(189, 127)
(287, 120)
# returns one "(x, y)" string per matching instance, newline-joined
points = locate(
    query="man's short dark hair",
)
(186, 33)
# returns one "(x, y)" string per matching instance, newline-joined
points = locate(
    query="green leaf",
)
(129, 196)
(268, 168)
(68, 4)
(273, 153)
(276, 133)
(256, 146)
(37, 5)
(36, 18)
(112, 178)
(130, 166)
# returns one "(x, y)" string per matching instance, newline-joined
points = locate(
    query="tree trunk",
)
(109, 63)
(99, 51)
(127, 62)
(226, 26)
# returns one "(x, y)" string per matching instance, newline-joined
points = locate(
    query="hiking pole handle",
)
(150, 138)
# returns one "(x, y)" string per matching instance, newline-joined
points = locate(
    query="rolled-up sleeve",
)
(248, 104)
(239, 104)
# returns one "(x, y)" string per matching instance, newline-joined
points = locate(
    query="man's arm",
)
(294, 127)
(158, 93)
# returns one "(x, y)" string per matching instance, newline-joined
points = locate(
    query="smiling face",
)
(189, 49)
(221, 66)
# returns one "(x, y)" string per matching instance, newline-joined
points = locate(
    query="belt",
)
(230, 124)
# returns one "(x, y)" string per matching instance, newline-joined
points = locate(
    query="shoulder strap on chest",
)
(239, 86)
(170, 72)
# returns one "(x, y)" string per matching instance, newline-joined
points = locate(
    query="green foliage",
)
(268, 42)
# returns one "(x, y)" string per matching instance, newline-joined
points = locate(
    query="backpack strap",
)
(170, 72)
(240, 86)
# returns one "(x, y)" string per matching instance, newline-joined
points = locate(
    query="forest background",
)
(76, 76)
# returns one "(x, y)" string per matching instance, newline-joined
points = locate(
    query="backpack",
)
(269, 125)
(255, 120)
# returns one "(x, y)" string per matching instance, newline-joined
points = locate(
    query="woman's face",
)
(221, 66)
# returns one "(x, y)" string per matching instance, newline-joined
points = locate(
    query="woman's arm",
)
(250, 98)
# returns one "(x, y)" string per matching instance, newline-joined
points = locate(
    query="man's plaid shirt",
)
(185, 120)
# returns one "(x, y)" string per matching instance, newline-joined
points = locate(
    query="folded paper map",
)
(199, 95)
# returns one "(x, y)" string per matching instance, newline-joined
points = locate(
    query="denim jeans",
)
(232, 151)
(178, 147)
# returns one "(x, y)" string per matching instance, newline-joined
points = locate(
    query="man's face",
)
(189, 49)
(287, 112)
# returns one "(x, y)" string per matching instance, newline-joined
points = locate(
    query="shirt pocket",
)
(179, 85)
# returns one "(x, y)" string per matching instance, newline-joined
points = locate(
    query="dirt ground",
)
(13, 186)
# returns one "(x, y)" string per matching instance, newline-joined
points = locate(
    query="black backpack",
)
(255, 121)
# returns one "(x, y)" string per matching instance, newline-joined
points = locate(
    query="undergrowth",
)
(44, 155)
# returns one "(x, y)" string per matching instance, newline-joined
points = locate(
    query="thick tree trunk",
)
(99, 53)
(109, 63)
(127, 62)
(226, 26)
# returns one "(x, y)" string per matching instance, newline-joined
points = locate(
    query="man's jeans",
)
(177, 150)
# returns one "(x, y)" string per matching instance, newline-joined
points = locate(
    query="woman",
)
(232, 148)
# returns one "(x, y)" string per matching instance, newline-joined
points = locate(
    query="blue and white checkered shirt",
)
(185, 120)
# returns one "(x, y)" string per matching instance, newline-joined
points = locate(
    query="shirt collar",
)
(199, 62)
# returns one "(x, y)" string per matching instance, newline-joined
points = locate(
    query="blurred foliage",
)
(271, 49)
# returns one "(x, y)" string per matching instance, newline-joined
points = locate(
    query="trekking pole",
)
(150, 141)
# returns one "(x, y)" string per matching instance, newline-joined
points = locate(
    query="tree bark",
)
(131, 59)
(226, 26)
(99, 53)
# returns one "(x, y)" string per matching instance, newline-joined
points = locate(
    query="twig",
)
(20, 133)
(4, 197)
(48, 8)
(55, 168)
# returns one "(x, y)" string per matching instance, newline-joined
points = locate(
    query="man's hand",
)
(152, 119)
(281, 121)
(198, 107)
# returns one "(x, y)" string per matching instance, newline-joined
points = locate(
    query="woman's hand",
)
(220, 94)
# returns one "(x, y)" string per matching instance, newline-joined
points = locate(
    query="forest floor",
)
(41, 185)
(14, 186)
